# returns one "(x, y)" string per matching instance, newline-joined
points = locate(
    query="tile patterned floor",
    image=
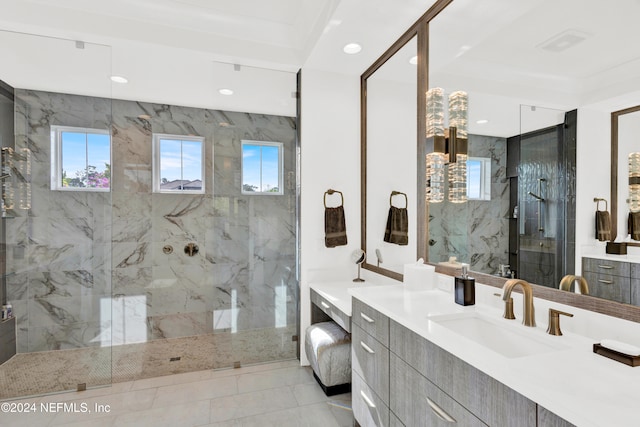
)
(278, 394)
(30, 374)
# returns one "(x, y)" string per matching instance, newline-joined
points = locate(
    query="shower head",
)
(536, 196)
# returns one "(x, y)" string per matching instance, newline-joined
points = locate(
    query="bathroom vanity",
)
(420, 359)
(613, 277)
(332, 301)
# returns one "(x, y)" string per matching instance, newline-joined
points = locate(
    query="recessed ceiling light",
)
(482, 121)
(413, 60)
(352, 48)
(119, 79)
(225, 92)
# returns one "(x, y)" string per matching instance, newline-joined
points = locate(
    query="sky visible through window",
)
(474, 169)
(180, 160)
(82, 150)
(260, 168)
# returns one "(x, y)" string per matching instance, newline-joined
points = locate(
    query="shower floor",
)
(28, 374)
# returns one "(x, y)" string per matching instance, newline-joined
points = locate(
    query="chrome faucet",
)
(565, 283)
(528, 313)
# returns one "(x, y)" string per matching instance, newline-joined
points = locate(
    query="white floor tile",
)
(248, 404)
(317, 415)
(186, 415)
(277, 394)
(274, 378)
(193, 391)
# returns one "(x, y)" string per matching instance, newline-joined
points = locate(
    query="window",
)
(261, 167)
(478, 178)
(178, 164)
(80, 159)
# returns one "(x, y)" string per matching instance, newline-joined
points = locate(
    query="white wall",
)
(330, 158)
(391, 165)
(593, 163)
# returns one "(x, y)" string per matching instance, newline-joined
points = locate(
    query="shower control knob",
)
(191, 249)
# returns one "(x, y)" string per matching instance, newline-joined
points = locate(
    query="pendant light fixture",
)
(446, 146)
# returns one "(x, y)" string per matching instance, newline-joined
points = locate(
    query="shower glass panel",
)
(57, 237)
(542, 194)
(120, 277)
(256, 231)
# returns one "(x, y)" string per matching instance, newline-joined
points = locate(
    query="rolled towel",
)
(634, 225)
(621, 347)
(397, 229)
(603, 226)
(335, 228)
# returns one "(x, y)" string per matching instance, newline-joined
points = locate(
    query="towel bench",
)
(328, 348)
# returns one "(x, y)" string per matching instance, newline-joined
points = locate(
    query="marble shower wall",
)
(89, 267)
(478, 231)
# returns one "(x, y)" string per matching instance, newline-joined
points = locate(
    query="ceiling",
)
(556, 54)
(183, 51)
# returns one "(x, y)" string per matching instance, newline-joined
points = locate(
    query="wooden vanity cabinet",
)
(609, 279)
(488, 400)
(369, 365)
(400, 378)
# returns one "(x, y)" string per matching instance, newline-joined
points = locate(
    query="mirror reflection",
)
(526, 72)
(541, 90)
(391, 181)
(628, 131)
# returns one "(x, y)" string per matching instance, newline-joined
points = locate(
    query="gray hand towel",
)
(603, 226)
(634, 225)
(335, 228)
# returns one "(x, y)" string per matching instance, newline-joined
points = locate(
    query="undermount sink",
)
(506, 339)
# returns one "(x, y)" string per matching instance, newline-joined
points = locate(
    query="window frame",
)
(485, 179)
(157, 137)
(56, 157)
(280, 147)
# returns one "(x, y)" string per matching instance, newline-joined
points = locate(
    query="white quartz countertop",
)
(611, 257)
(337, 293)
(571, 381)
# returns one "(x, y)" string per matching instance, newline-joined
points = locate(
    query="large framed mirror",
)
(625, 127)
(530, 74)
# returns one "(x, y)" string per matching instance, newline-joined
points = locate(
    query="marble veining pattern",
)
(87, 269)
(477, 233)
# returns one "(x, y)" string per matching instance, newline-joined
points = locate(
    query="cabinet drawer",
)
(371, 321)
(611, 287)
(370, 359)
(368, 408)
(635, 290)
(417, 401)
(615, 268)
(488, 399)
(331, 310)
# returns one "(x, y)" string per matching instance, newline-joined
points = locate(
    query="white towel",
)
(621, 347)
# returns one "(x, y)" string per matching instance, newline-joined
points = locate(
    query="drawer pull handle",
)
(325, 305)
(606, 267)
(440, 413)
(367, 348)
(367, 400)
(366, 318)
(606, 282)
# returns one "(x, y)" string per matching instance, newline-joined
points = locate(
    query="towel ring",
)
(330, 192)
(598, 200)
(399, 193)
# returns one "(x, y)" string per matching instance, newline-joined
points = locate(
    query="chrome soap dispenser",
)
(465, 288)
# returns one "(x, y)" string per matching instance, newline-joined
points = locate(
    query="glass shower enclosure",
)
(111, 279)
